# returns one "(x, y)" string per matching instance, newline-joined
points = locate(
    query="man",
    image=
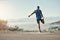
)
(39, 16)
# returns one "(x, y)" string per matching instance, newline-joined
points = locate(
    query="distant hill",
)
(58, 22)
(26, 22)
(47, 19)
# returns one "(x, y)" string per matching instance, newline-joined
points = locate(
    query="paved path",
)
(29, 36)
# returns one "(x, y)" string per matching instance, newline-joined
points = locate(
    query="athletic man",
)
(39, 16)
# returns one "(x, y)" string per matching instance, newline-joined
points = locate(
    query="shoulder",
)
(40, 10)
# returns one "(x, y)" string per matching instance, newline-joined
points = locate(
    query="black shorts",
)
(38, 21)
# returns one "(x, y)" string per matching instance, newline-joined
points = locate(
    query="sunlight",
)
(3, 10)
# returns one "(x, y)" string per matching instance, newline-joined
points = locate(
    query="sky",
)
(12, 9)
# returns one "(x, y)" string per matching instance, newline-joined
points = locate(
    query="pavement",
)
(29, 36)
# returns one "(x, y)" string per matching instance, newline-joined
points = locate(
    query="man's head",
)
(38, 7)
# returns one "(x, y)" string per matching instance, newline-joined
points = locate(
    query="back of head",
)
(38, 7)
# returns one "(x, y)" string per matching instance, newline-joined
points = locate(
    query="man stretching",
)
(39, 16)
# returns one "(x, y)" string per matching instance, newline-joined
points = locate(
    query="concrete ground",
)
(29, 36)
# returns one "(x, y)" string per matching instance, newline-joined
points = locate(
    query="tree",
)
(3, 24)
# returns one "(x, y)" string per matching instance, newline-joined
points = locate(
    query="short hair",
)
(38, 7)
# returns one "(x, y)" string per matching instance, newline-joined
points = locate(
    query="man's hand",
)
(29, 15)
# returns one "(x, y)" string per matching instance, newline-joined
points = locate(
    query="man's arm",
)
(42, 14)
(31, 14)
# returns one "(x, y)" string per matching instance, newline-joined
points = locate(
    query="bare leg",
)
(39, 26)
(38, 22)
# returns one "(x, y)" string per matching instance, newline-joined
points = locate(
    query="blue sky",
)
(11, 9)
